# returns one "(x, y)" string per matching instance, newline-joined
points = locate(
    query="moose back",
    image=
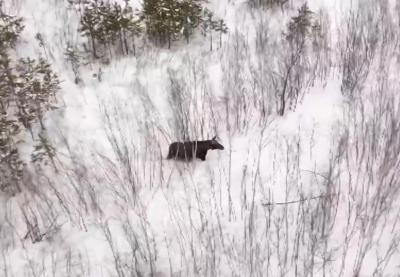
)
(189, 149)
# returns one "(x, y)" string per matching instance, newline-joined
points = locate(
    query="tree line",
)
(113, 27)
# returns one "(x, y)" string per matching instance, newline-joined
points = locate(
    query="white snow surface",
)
(183, 219)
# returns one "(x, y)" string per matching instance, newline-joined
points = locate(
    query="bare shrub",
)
(192, 104)
(359, 45)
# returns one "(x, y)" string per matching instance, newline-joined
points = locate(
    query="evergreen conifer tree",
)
(10, 28)
(37, 86)
(106, 23)
(291, 74)
(44, 152)
(221, 27)
(299, 26)
(89, 22)
(27, 90)
(11, 165)
(169, 20)
(207, 25)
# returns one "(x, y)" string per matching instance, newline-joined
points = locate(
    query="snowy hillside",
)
(306, 105)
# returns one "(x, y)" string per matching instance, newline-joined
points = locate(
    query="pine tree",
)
(73, 56)
(44, 152)
(134, 29)
(210, 24)
(10, 28)
(299, 26)
(6, 84)
(190, 16)
(221, 27)
(291, 76)
(27, 90)
(88, 23)
(207, 25)
(105, 23)
(268, 3)
(130, 27)
(11, 165)
(36, 93)
(168, 20)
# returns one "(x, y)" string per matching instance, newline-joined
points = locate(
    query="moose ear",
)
(214, 138)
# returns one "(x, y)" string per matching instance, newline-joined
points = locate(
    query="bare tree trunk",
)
(134, 46)
(211, 42)
(125, 42)
(93, 44)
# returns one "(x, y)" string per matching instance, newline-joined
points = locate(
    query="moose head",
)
(214, 144)
(189, 149)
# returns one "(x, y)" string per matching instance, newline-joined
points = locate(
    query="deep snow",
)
(167, 218)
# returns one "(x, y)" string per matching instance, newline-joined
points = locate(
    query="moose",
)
(189, 149)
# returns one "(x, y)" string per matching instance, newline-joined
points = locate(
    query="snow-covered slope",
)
(312, 192)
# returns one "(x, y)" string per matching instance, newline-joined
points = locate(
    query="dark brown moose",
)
(188, 149)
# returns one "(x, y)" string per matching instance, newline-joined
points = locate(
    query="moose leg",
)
(171, 151)
(169, 154)
(201, 155)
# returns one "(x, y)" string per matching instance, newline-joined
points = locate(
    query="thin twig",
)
(315, 173)
(298, 201)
